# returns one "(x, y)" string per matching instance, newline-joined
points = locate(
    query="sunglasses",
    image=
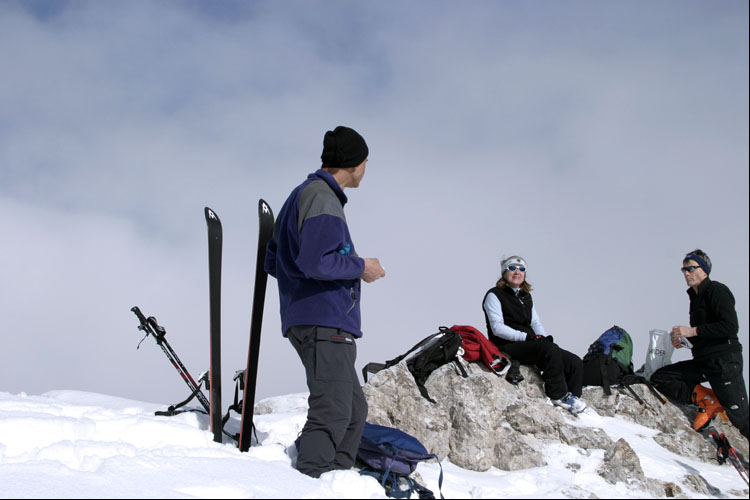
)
(689, 269)
(513, 268)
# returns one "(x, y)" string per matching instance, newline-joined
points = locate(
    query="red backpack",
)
(478, 347)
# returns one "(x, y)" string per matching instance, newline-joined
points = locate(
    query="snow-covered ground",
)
(71, 444)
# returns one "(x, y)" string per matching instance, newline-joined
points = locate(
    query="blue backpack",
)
(609, 359)
(391, 455)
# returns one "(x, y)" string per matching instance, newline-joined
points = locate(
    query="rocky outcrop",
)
(482, 421)
(621, 464)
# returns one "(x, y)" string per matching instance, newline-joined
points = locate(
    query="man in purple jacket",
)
(319, 274)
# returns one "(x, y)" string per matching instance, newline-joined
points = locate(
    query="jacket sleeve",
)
(536, 323)
(720, 302)
(324, 253)
(325, 249)
(495, 314)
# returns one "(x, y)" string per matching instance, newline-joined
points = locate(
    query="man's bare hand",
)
(373, 270)
(680, 332)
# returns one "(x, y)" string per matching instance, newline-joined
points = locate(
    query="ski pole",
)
(151, 327)
(734, 457)
(725, 452)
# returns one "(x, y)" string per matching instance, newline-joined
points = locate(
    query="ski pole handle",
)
(140, 315)
(149, 325)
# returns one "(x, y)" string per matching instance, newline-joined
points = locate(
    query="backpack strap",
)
(423, 392)
(603, 362)
(376, 367)
(632, 393)
(371, 368)
(629, 379)
(389, 479)
(390, 483)
(422, 491)
(461, 368)
(440, 478)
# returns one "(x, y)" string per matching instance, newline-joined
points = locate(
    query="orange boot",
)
(708, 406)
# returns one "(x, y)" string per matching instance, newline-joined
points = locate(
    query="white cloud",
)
(601, 143)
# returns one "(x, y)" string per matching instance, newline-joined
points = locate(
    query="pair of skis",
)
(213, 378)
(215, 235)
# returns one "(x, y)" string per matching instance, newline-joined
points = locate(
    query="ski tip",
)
(211, 215)
(264, 208)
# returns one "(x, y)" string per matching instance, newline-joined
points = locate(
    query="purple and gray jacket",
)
(312, 257)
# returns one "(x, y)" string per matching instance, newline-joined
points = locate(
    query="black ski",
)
(265, 231)
(214, 284)
(158, 332)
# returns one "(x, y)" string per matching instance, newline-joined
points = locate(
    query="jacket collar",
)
(701, 288)
(329, 179)
(511, 291)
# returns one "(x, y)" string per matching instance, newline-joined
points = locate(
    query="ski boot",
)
(708, 406)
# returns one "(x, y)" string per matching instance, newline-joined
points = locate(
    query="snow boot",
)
(708, 406)
(571, 403)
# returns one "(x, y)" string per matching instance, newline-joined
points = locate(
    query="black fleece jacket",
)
(712, 312)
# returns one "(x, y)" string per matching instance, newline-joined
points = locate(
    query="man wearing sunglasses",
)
(717, 352)
(513, 325)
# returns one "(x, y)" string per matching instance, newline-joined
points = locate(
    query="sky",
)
(601, 141)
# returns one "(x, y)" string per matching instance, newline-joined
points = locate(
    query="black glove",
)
(530, 337)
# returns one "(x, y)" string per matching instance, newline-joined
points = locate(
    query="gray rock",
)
(513, 452)
(483, 421)
(686, 442)
(529, 417)
(585, 437)
(697, 483)
(621, 464)
(394, 400)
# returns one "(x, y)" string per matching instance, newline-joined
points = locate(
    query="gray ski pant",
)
(337, 406)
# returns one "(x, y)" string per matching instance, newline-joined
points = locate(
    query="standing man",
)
(312, 257)
(717, 352)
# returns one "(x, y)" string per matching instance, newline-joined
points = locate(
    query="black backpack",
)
(609, 362)
(609, 359)
(432, 352)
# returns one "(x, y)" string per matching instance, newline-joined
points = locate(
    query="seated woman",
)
(513, 325)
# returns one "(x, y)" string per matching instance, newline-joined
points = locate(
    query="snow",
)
(72, 444)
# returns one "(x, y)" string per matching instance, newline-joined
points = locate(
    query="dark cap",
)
(343, 147)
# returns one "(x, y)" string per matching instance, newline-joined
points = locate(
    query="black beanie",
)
(343, 147)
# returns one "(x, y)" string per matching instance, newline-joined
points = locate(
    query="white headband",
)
(515, 260)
